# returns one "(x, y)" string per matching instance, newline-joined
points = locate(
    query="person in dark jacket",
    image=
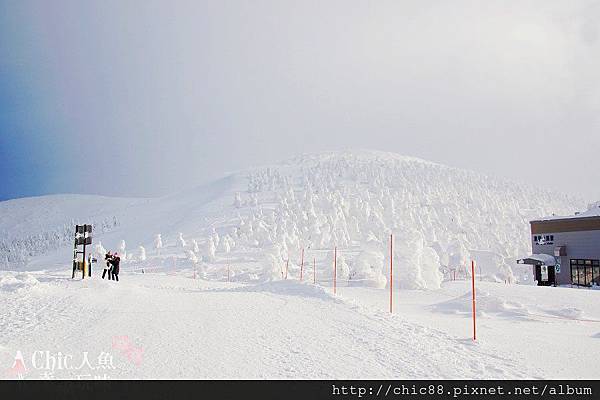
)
(116, 261)
(108, 267)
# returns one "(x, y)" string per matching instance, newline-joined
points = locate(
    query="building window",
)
(574, 278)
(585, 272)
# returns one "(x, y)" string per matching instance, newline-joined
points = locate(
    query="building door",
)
(545, 275)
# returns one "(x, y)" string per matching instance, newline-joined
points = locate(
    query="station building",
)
(566, 250)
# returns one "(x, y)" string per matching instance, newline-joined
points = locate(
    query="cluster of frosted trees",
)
(437, 214)
(205, 251)
(15, 252)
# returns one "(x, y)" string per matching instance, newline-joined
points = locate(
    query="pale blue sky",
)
(143, 98)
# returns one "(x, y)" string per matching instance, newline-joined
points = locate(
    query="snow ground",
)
(159, 325)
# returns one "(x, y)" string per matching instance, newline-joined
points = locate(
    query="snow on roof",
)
(592, 211)
(545, 259)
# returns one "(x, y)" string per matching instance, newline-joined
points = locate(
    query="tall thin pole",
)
(286, 267)
(75, 254)
(391, 272)
(302, 265)
(314, 271)
(334, 269)
(473, 287)
(83, 263)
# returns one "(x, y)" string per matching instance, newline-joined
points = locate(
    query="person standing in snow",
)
(108, 267)
(116, 261)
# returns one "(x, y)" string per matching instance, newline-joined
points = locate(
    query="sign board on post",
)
(83, 237)
(557, 265)
(544, 270)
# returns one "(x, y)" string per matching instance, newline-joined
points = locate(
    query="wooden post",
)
(75, 254)
(302, 265)
(473, 288)
(391, 273)
(334, 269)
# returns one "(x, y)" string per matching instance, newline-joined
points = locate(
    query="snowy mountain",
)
(260, 219)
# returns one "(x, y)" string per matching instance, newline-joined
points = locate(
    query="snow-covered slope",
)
(260, 218)
(169, 326)
(36, 225)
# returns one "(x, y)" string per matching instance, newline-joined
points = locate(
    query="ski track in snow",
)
(198, 329)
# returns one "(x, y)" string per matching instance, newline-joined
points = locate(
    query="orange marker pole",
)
(391, 273)
(473, 287)
(302, 265)
(334, 269)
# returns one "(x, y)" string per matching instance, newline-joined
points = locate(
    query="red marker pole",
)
(314, 271)
(391, 273)
(334, 269)
(302, 265)
(473, 287)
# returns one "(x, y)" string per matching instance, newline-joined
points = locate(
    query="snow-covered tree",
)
(210, 255)
(368, 266)
(225, 245)
(238, 200)
(142, 253)
(343, 270)
(180, 240)
(458, 255)
(192, 256)
(99, 251)
(123, 250)
(158, 244)
(215, 237)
